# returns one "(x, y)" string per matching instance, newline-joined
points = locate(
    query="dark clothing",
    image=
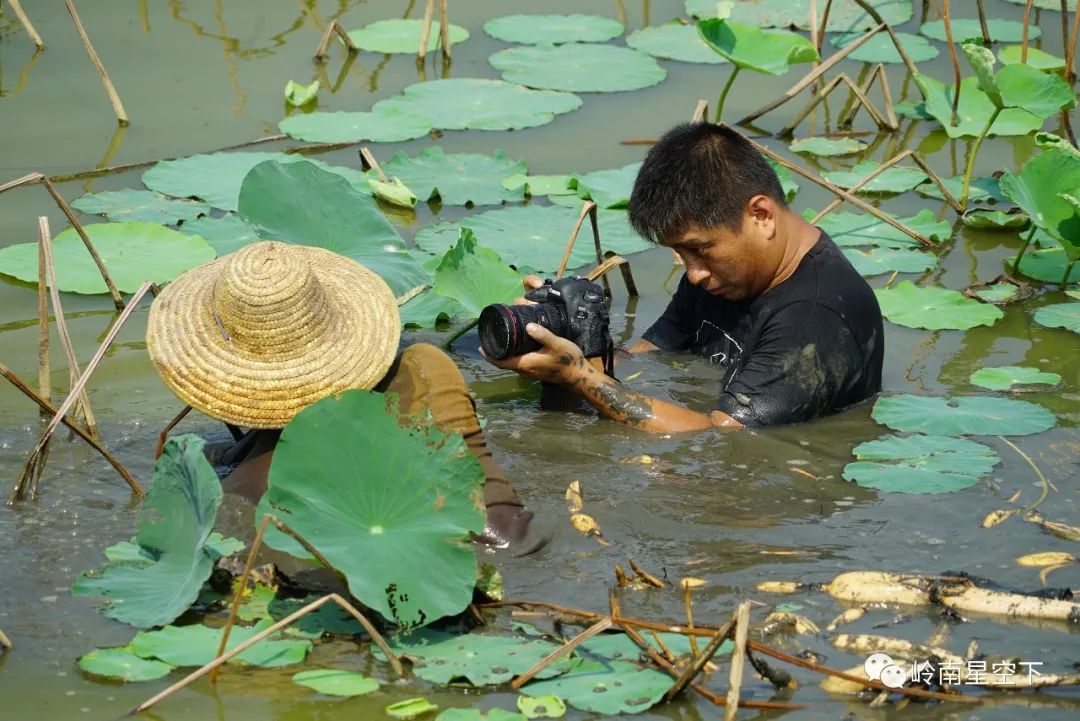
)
(808, 347)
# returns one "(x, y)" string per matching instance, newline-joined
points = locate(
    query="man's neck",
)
(801, 237)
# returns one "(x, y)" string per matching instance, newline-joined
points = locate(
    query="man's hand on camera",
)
(558, 361)
(529, 282)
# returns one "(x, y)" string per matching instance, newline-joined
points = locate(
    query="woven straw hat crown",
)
(254, 337)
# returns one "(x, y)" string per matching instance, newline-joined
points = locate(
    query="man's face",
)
(732, 265)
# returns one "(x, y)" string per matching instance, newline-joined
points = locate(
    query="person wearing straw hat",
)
(254, 337)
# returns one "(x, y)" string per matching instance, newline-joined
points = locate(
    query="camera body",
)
(571, 308)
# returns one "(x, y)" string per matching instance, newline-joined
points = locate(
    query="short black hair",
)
(699, 174)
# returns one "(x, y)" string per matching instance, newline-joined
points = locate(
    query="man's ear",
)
(762, 211)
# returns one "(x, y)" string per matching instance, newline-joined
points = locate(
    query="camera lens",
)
(502, 327)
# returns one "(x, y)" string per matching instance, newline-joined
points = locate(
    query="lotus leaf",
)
(197, 645)
(765, 51)
(479, 659)
(1036, 190)
(402, 36)
(967, 415)
(397, 503)
(217, 177)
(411, 708)
(1039, 59)
(472, 714)
(548, 706)
(609, 188)
(933, 308)
(174, 524)
(298, 95)
(333, 682)
(880, 48)
(920, 464)
(385, 125)
(429, 309)
(216, 545)
(475, 277)
(998, 293)
(994, 220)
(828, 147)
(1051, 5)
(122, 664)
(982, 62)
(896, 179)
(329, 619)
(1042, 94)
(472, 103)
(1004, 378)
(1060, 315)
(578, 67)
(1049, 141)
(1048, 264)
(133, 253)
(787, 180)
(459, 178)
(674, 41)
(889, 260)
(1002, 31)
(535, 236)
(974, 111)
(140, 206)
(844, 15)
(553, 29)
(981, 189)
(225, 235)
(542, 184)
(859, 229)
(394, 192)
(606, 688)
(304, 204)
(619, 646)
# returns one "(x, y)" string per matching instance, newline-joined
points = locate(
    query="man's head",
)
(704, 191)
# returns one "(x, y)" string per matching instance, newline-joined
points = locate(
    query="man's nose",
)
(696, 273)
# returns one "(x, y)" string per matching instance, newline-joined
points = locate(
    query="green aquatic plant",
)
(890, 260)
(979, 189)
(828, 147)
(535, 185)
(853, 230)
(895, 179)
(1007, 378)
(1036, 58)
(933, 308)
(140, 206)
(225, 234)
(920, 464)
(333, 682)
(122, 664)
(475, 277)
(299, 95)
(458, 178)
(674, 41)
(844, 15)
(553, 29)
(964, 415)
(403, 36)
(1001, 30)
(385, 125)
(410, 708)
(478, 659)
(1060, 315)
(197, 645)
(982, 219)
(578, 67)
(606, 687)
(428, 310)
(608, 188)
(881, 48)
(548, 706)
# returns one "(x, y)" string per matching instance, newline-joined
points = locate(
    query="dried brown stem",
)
(44, 360)
(945, 192)
(110, 89)
(27, 25)
(646, 576)
(372, 163)
(444, 30)
(164, 435)
(701, 112)
(1024, 36)
(955, 60)
(873, 13)
(861, 100)
(586, 208)
(1070, 50)
(5, 642)
(738, 660)
(888, 119)
(699, 663)
(823, 27)
(598, 627)
(983, 26)
(334, 28)
(239, 585)
(425, 33)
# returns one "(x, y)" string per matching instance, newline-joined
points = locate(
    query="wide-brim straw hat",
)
(255, 336)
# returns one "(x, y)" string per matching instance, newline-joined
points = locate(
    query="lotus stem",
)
(1024, 37)
(460, 332)
(164, 435)
(44, 364)
(1043, 480)
(240, 584)
(5, 642)
(1070, 50)
(982, 23)
(110, 89)
(444, 30)
(824, 24)
(598, 627)
(1068, 272)
(695, 652)
(27, 25)
(1023, 249)
(699, 662)
(970, 166)
(724, 92)
(738, 659)
(955, 64)
(587, 207)
(425, 33)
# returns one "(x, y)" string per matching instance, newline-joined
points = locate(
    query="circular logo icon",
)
(875, 664)
(893, 676)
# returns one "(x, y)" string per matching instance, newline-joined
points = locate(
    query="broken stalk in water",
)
(738, 659)
(599, 627)
(44, 361)
(955, 60)
(110, 89)
(700, 661)
(24, 19)
(724, 93)
(983, 26)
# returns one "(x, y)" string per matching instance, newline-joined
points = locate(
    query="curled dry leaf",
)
(1047, 558)
(573, 497)
(837, 685)
(1050, 569)
(690, 582)
(995, 517)
(1056, 528)
(778, 586)
(849, 616)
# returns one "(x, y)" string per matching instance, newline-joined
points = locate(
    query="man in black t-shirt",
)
(766, 295)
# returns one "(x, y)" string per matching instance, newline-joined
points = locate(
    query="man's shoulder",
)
(825, 278)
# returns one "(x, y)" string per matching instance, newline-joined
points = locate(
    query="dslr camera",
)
(571, 308)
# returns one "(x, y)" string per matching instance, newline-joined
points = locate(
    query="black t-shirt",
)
(810, 346)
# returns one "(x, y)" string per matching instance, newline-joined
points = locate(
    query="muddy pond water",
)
(733, 509)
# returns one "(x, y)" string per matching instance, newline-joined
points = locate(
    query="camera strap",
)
(609, 358)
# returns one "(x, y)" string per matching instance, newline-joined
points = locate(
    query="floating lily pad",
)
(402, 36)
(299, 95)
(981, 219)
(333, 682)
(479, 659)
(411, 708)
(880, 48)
(385, 125)
(1042, 94)
(1040, 59)
(967, 415)
(429, 309)
(140, 206)
(609, 188)
(405, 502)
(920, 464)
(1060, 315)
(132, 252)
(1000, 292)
(225, 235)
(858, 229)
(1004, 378)
(542, 184)
(121, 664)
(1047, 264)
(475, 277)
(896, 179)
(749, 47)
(553, 29)
(844, 15)
(827, 147)
(472, 103)
(674, 41)
(889, 260)
(974, 111)
(548, 706)
(619, 646)
(1038, 190)
(578, 67)
(981, 189)
(1002, 31)
(197, 645)
(472, 714)
(933, 308)
(458, 178)
(606, 688)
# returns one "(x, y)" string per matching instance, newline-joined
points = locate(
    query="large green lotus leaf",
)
(473, 103)
(1042, 94)
(472, 714)
(140, 206)
(1051, 5)
(549, 706)
(410, 708)
(747, 46)
(981, 189)
(216, 545)
(197, 645)
(132, 252)
(1060, 315)
(920, 464)
(982, 62)
(974, 111)
(429, 309)
(1047, 264)
(578, 67)
(333, 682)
(481, 660)
(1002, 31)
(459, 178)
(888, 260)
(535, 236)
(858, 229)
(1037, 188)
(998, 292)
(844, 15)
(828, 147)
(967, 415)
(674, 41)
(933, 308)
(475, 277)
(606, 688)
(609, 188)
(983, 219)
(619, 646)
(304, 204)
(174, 524)
(553, 29)
(217, 177)
(787, 180)
(121, 664)
(225, 235)
(1036, 58)
(542, 184)
(880, 48)
(1003, 378)
(391, 505)
(402, 36)
(385, 125)
(896, 179)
